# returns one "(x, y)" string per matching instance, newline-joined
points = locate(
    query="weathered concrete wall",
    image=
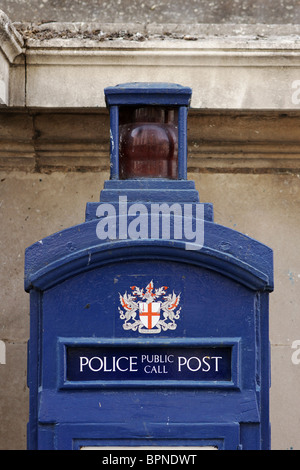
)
(218, 141)
(163, 11)
(67, 65)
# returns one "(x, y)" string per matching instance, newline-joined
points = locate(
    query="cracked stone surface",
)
(155, 11)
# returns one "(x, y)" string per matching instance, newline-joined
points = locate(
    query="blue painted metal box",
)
(149, 340)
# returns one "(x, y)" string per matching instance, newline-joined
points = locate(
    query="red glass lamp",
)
(148, 124)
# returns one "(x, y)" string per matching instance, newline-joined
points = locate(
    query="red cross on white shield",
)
(149, 313)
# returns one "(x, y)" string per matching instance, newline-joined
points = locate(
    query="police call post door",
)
(148, 322)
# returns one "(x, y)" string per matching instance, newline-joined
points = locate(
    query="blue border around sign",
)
(234, 343)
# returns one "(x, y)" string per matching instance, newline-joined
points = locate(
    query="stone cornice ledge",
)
(11, 41)
(11, 54)
(243, 67)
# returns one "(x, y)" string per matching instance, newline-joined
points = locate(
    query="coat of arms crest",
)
(156, 310)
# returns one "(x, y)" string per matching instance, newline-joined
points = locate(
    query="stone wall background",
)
(155, 11)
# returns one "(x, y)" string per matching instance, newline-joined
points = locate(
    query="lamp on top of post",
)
(148, 124)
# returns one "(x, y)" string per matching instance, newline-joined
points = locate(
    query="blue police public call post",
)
(149, 321)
